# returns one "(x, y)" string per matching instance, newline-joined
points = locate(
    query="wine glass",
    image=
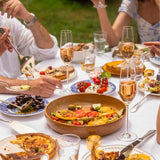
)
(127, 92)
(66, 52)
(127, 46)
(100, 5)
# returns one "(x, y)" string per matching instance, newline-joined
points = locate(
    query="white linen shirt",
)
(147, 32)
(24, 41)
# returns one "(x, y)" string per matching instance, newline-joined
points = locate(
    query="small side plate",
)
(13, 112)
(111, 87)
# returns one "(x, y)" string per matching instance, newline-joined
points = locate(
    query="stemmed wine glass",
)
(127, 86)
(66, 52)
(127, 92)
(127, 46)
(100, 5)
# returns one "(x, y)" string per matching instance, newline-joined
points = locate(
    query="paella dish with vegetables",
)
(96, 114)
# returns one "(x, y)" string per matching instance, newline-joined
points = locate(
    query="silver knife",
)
(132, 145)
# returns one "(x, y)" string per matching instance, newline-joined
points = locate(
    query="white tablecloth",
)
(139, 122)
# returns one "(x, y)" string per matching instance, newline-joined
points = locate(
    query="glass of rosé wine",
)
(66, 53)
(127, 92)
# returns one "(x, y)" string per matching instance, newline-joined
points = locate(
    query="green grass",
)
(78, 16)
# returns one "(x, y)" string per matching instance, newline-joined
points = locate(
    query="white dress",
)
(24, 41)
(147, 32)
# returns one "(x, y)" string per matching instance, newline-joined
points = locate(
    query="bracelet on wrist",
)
(31, 22)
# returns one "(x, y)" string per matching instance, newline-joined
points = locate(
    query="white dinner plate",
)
(155, 60)
(37, 75)
(71, 75)
(87, 156)
(13, 111)
(143, 89)
(139, 46)
(111, 87)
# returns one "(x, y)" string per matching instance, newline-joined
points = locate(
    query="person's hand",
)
(14, 8)
(4, 44)
(44, 86)
(154, 48)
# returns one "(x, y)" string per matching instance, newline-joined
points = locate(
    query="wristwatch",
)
(31, 22)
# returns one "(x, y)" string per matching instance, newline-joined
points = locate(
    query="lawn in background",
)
(78, 16)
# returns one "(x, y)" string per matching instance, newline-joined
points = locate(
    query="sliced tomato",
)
(54, 118)
(69, 115)
(92, 114)
(79, 113)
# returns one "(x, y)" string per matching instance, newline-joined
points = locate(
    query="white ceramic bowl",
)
(78, 55)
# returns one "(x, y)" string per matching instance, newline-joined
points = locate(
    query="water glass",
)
(68, 146)
(100, 38)
(137, 62)
(89, 58)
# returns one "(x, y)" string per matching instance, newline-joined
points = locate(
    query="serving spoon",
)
(24, 107)
(25, 61)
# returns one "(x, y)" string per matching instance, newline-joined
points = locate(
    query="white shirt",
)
(25, 43)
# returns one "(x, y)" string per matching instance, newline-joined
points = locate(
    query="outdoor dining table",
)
(143, 120)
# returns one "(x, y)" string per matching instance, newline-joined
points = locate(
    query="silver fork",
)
(135, 107)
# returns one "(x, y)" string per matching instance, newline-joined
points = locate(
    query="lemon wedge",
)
(25, 87)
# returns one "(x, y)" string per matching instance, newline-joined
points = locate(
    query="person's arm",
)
(43, 86)
(113, 31)
(154, 48)
(15, 8)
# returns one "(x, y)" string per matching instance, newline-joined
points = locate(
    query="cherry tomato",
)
(76, 123)
(79, 84)
(97, 81)
(105, 82)
(88, 84)
(42, 72)
(82, 89)
(94, 79)
(104, 89)
(27, 74)
(105, 79)
(103, 85)
(100, 90)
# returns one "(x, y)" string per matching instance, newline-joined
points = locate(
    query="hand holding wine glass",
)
(66, 52)
(127, 92)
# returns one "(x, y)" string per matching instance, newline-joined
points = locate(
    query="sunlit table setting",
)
(140, 122)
